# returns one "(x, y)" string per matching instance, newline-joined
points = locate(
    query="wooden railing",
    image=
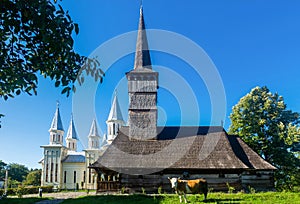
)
(108, 186)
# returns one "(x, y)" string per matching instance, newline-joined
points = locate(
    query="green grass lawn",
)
(270, 197)
(20, 200)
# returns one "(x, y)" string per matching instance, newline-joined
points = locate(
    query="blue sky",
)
(251, 42)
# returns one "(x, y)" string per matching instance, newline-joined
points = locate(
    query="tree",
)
(36, 39)
(262, 120)
(2, 169)
(34, 178)
(17, 172)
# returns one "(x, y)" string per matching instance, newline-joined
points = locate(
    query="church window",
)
(65, 177)
(58, 139)
(90, 175)
(56, 167)
(92, 143)
(73, 145)
(74, 176)
(84, 176)
(47, 167)
(51, 172)
(114, 131)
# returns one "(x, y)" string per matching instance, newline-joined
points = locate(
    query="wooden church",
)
(143, 156)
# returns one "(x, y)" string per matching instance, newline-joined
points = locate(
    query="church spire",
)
(115, 111)
(72, 134)
(56, 129)
(94, 130)
(114, 121)
(72, 138)
(142, 54)
(56, 121)
(94, 137)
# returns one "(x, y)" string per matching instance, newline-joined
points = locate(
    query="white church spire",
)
(56, 129)
(115, 111)
(56, 121)
(94, 136)
(72, 134)
(72, 137)
(114, 121)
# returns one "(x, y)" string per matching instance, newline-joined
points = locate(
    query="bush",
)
(11, 191)
(47, 189)
(20, 191)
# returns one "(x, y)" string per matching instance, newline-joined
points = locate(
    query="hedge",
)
(27, 190)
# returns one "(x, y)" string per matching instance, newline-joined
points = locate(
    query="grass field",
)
(268, 198)
(20, 200)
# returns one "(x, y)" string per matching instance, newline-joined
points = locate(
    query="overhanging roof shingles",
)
(206, 147)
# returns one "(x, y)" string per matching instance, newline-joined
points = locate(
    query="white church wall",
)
(73, 176)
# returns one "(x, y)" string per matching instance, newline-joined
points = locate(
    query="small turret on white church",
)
(72, 138)
(56, 130)
(114, 121)
(94, 137)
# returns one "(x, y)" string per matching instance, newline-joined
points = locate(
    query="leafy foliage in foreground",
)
(36, 39)
(263, 121)
(269, 197)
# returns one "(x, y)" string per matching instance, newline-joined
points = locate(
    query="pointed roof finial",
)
(142, 54)
(56, 121)
(72, 134)
(94, 129)
(115, 111)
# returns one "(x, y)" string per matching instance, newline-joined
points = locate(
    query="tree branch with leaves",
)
(262, 120)
(36, 39)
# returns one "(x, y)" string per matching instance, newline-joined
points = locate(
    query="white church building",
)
(66, 168)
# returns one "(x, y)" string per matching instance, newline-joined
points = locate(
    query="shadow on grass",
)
(115, 199)
(20, 200)
(142, 199)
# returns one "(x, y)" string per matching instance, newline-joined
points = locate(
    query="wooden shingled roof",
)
(204, 148)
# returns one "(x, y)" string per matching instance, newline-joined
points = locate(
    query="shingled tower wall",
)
(142, 90)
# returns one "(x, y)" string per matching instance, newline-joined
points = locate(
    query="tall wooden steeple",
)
(142, 90)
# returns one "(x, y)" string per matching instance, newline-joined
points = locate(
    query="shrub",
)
(251, 190)
(47, 189)
(230, 188)
(20, 191)
(159, 190)
(143, 190)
